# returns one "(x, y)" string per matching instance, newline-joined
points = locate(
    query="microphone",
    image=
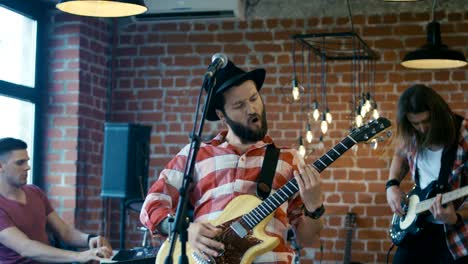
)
(218, 61)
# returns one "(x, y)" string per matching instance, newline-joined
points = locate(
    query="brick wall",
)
(159, 69)
(75, 114)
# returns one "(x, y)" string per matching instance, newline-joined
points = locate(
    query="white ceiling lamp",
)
(103, 8)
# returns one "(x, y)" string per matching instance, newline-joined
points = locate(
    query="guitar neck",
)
(350, 224)
(446, 198)
(275, 200)
(347, 253)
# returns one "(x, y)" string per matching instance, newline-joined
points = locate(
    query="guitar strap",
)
(268, 171)
(446, 163)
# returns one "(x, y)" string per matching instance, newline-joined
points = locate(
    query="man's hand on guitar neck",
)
(200, 237)
(308, 179)
(445, 214)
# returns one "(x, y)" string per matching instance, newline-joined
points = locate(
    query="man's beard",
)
(247, 134)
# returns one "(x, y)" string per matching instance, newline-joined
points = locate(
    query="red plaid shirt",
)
(221, 174)
(456, 235)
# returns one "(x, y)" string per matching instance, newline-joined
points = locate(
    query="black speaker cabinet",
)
(126, 158)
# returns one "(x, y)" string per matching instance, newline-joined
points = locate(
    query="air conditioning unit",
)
(193, 9)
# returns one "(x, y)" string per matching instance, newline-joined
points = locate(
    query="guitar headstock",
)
(368, 131)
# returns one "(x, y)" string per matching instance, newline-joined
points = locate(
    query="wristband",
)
(391, 183)
(91, 236)
(316, 214)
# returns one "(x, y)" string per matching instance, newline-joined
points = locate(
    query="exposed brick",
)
(158, 73)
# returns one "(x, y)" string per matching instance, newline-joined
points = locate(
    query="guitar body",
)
(237, 249)
(402, 227)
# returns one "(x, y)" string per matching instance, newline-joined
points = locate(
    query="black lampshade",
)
(103, 8)
(434, 55)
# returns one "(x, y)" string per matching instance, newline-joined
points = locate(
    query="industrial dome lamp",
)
(103, 8)
(434, 54)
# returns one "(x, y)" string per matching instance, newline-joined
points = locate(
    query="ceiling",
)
(316, 8)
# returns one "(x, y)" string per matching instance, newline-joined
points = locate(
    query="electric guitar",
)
(244, 219)
(418, 202)
(350, 225)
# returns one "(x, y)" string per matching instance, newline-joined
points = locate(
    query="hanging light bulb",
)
(296, 94)
(363, 111)
(323, 124)
(367, 103)
(367, 106)
(301, 149)
(374, 143)
(316, 113)
(320, 144)
(358, 120)
(329, 117)
(375, 113)
(309, 134)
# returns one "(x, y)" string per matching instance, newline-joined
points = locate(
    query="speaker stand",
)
(123, 214)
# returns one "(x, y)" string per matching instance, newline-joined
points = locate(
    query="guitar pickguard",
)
(237, 250)
(401, 226)
(235, 246)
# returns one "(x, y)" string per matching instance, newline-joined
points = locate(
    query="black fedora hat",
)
(228, 77)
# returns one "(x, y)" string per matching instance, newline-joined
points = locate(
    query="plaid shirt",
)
(221, 174)
(456, 235)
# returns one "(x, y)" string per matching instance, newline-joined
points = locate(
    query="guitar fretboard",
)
(275, 200)
(350, 225)
(446, 198)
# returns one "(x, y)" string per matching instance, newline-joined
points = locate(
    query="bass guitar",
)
(418, 202)
(244, 219)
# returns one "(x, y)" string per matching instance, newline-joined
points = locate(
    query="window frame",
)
(35, 10)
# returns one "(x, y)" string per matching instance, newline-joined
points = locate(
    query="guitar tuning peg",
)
(389, 134)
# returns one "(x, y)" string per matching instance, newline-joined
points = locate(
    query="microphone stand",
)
(181, 221)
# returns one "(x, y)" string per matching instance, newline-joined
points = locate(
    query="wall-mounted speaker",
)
(126, 160)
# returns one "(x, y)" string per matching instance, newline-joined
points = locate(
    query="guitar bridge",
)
(202, 258)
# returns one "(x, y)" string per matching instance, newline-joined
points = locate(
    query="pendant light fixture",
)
(434, 54)
(103, 8)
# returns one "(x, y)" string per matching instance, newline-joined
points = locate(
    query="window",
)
(17, 48)
(19, 94)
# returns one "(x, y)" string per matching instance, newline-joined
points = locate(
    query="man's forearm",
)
(398, 168)
(75, 238)
(48, 254)
(308, 230)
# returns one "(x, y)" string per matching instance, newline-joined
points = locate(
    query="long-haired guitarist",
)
(434, 146)
(229, 166)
